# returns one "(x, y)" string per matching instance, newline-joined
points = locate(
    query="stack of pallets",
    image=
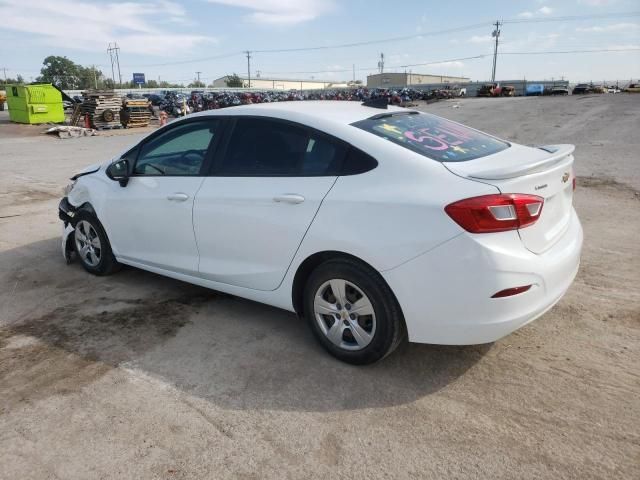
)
(102, 107)
(136, 112)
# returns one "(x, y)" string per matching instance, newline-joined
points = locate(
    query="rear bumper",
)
(445, 294)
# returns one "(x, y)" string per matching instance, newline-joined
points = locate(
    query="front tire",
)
(352, 312)
(92, 245)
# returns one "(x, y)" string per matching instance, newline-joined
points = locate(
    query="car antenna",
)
(381, 102)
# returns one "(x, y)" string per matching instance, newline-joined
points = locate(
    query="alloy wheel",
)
(88, 243)
(344, 314)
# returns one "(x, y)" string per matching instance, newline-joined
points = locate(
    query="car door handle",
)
(178, 197)
(289, 198)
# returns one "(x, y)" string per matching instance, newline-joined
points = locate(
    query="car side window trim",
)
(206, 163)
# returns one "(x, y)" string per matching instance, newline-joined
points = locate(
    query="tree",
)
(196, 84)
(66, 74)
(234, 81)
(151, 84)
(60, 71)
(90, 77)
(19, 80)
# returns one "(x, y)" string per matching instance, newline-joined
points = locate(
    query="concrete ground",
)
(139, 376)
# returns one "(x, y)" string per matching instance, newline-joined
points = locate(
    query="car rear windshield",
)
(433, 137)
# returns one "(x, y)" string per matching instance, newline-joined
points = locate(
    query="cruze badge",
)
(565, 177)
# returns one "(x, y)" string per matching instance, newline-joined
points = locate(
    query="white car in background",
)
(370, 221)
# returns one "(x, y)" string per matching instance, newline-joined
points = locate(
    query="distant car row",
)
(538, 89)
(584, 88)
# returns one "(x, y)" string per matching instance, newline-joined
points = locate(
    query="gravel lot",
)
(138, 376)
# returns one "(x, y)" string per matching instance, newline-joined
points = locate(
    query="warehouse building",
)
(278, 83)
(391, 79)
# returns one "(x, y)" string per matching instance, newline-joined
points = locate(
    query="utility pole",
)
(5, 75)
(95, 77)
(495, 34)
(198, 74)
(115, 60)
(248, 67)
(113, 76)
(354, 72)
(381, 63)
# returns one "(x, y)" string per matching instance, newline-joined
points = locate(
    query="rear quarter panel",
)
(392, 213)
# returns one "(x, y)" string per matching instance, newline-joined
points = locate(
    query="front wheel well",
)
(308, 266)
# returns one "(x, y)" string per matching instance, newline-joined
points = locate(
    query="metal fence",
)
(471, 87)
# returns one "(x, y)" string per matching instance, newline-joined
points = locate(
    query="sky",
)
(172, 40)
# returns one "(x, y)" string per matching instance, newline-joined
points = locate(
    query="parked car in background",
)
(471, 237)
(534, 89)
(599, 89)
(508, 91)
(488, 90)
(611, 89)
(155, 99)
(632, 88)
(559, 90)
(582, 88)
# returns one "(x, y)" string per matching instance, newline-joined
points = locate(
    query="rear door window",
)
(264, 147)
(434, 137)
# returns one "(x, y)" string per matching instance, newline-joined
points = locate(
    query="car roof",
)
(335, 111)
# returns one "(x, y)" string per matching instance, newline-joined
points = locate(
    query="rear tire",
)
(92, 245)
(352, 312)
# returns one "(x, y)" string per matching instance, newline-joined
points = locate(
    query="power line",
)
(460, 59)
(599, 50)
(571, 18)
(377, 68)
(450, 30)
(373, 42)
(473, 26)
(183, 62)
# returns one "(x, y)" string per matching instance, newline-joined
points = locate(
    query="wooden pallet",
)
(136, 113)
(103, 108)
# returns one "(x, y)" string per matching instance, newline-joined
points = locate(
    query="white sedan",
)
(372, 222)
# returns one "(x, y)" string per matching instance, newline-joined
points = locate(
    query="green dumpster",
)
(41, 103)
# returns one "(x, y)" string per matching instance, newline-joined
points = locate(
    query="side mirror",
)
(119, 172)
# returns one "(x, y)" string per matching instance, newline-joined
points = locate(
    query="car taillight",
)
(496, 213)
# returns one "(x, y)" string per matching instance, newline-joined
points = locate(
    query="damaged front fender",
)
(67, 213)
(68, 248)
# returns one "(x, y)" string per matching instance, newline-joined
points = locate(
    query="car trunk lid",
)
(545, 171)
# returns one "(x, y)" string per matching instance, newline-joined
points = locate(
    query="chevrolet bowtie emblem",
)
(565, 177)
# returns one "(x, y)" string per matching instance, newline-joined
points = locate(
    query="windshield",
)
(431, 136)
